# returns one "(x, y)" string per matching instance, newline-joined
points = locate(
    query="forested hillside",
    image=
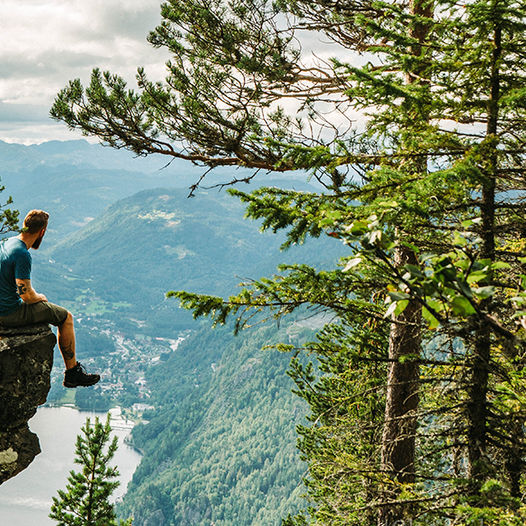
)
(221, 443)
(220, 447)
(74, 180)
(158, 240)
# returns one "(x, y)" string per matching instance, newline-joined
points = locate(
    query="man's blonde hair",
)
(35, 221)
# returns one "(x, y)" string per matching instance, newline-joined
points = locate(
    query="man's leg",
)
(75, 374)
(45, 312)
(66, 341)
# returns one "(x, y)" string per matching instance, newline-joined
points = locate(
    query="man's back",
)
(15, 263)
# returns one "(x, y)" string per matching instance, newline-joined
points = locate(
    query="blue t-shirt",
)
(15, 263)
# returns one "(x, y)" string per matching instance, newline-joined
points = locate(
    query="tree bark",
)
(403, 380)
(477, 410)
(398, 438)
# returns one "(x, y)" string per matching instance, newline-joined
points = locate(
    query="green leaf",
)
(414, 271)
(461, 306)
(477, 275)
(401, 306)
(500, 265)
(518, 299)
(459, 240)
(397, 296)
(432, 322)
(396, 308)
(357, 228)
(484, 292)
(465, 289)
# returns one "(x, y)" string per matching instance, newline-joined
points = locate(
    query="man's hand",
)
(27, 293)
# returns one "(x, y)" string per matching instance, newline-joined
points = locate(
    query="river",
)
(26, 499)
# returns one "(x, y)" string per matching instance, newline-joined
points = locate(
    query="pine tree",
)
(223, 121)
(429, 200)
(8, 217)
(85, 502)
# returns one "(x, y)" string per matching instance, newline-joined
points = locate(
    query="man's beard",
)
(37, 242)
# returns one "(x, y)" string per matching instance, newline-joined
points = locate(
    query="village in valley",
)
(123, 368)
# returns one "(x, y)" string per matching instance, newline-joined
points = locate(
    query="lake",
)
(26, 499)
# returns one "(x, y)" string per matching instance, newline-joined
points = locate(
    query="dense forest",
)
(220, 445)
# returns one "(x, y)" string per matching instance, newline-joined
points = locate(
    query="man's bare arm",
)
(27, 293)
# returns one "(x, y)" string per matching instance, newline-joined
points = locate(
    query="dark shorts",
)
(29, 313)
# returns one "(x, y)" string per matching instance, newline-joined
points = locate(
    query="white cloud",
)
(47, 43)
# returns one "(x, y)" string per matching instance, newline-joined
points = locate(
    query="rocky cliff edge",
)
(26, 358)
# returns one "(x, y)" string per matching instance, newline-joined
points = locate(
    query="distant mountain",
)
(75, 180)
(220, 445)
(18, 157)
(210, 248)
(159, 240)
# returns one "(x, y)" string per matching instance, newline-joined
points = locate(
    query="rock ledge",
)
(26, 358)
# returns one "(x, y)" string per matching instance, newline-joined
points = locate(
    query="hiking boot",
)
(77, 376)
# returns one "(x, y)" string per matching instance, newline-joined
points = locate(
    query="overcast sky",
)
(46, 43)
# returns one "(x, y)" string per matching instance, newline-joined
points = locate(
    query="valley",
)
(215, 413)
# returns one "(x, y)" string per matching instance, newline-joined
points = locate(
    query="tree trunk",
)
(402, 396)
(398, 439)
(477, 410)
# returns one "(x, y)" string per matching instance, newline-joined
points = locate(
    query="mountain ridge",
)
(158, 240)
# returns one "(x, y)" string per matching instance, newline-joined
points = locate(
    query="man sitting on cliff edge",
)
(21, 305)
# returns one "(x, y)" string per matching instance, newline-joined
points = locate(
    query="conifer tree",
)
(85, 502)
(212, 111)
(8, 217)
(429, 200)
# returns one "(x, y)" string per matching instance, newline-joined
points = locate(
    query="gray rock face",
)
(26, 358)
